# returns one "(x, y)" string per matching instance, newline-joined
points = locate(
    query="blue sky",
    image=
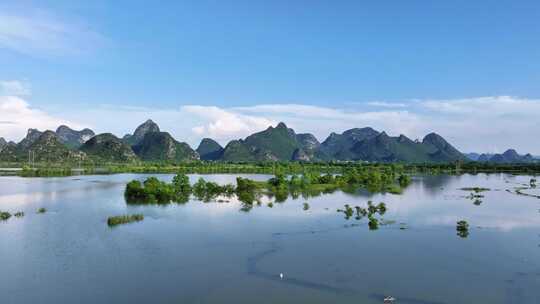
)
(228, 68)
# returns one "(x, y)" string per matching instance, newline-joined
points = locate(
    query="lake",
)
(215, 252)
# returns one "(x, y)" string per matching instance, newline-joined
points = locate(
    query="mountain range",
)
(280, 143)
(509, 156)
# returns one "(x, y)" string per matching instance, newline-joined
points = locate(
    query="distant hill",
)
(147, 127)
(440, 150)
(161, 146)
(509, 156)
(107, 147)
(472, 156)
(338, 146)
(210, 149)
(49, 148)
(369, 145)
(279, 143)
(72, 138)
(273, 144)
(31, 136)
(3, 143)
(40, 147)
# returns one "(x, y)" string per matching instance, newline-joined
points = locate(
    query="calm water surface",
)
(214, 253)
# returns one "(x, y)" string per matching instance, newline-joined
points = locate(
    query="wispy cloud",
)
(384, 104)
(39, 32)
(14, 87)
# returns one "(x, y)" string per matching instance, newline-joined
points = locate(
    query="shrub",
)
(181, 183)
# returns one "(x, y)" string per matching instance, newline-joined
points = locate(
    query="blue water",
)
(215, 253)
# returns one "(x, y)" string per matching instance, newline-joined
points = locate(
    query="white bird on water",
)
(281, 275)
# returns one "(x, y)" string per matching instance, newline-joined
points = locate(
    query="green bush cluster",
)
(249, 191)
(206, 191)
(154, 191)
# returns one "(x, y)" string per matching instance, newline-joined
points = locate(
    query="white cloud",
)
(15, 88)
(487, 124)
(18, 116)
(384, 104)
(40, 32)
(222, 124)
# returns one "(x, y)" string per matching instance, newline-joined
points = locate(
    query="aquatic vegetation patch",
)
(370, 212)
(394, 189)
(462, 228)
(279, 187)
(4, 216)
(124, 219)
(519, 191)
(41, 210)
(475, 189)
(19, 214)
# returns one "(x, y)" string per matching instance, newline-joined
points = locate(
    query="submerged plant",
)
(371, 211)
(475, 189)
(348, 211)
(462, 228)
(462, 225)
(305, 206)
(124, 219)
(360, 212)
(373, 223)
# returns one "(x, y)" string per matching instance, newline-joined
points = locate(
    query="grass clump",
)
(124, 219)
(19, 214)
(41, 210)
